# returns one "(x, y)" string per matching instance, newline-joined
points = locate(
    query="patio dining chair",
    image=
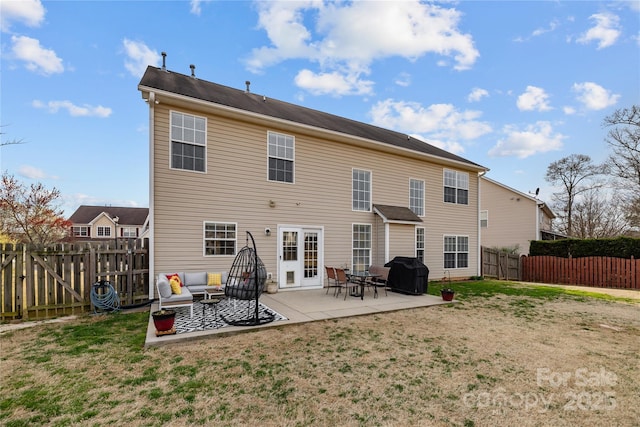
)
(331, 279)
(343, 282)
(380, 281)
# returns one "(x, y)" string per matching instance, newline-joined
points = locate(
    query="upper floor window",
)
(416, 196)
(103, 231)
(129, 232)
(456, 251)
(81, 231)
(188, 142)
(484, 219)
(361, 190)
(219, 238)
(281, 157)
(456, 187)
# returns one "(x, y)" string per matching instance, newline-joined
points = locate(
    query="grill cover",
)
(408, 275)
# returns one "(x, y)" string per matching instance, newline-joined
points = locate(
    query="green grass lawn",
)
(363, 371)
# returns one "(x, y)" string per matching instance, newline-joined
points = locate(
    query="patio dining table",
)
(361, 277)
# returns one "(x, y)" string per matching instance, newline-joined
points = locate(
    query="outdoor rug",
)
(228, 308)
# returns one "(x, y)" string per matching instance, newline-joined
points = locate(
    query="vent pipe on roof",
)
(164, 61)
(248, 83)
(193, 70)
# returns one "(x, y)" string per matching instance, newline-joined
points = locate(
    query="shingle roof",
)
(169, 81)
(397, 213)
(126, 216)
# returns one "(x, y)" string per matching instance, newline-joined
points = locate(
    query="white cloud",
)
(29, 12)
(568, 110)
(73, 110)
(594, 96)
(606, 30)
(540, 31)
(349, 36)
(196, 6)
(403, 79)
(533, 99)
(477, 94)
(536, 138)
(333, 83)
(438, 122)
(37, 58)
(139, 56)
(31, 172)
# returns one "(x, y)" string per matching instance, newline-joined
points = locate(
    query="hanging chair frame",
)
(247, 280)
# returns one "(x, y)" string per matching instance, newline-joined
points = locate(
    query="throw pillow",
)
(214, 279)
(164, 288)
(175, 277)
(176, 285)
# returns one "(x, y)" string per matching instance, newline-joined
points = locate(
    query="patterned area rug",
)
(232, 310)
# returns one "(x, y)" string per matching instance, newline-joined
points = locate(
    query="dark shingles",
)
(126, 216)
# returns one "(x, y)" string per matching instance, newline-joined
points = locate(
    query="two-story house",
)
(511, 219)
(313, 188)
(108, 222)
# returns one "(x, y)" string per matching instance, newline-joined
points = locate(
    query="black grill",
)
(408, 275)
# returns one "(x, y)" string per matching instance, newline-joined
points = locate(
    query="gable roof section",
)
(126, 216)
(398, 214)
(163, 80)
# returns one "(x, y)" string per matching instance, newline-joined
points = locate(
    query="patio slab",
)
(301, 306)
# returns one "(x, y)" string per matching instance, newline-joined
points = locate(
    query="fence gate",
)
(58, 280)
(500, 265)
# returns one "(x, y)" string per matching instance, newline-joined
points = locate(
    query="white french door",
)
(300, 257)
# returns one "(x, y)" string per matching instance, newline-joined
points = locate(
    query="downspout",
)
(152, 222)
(479, 266)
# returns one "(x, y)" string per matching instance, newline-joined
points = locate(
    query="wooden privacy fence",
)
(602, 272)
(499, 264)
(58, 280)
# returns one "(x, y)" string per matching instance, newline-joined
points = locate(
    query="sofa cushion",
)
(191, 279)
(176, 277)
(176, 285)
(214, 279)
(164, 288)
(185, 296)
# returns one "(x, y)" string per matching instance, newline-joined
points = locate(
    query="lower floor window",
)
(420, 243)
(456, 251)
(361, 243)
(219, 238)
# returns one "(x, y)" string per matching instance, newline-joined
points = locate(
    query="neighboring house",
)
(510, 218)
(108, 222)
(313, 188)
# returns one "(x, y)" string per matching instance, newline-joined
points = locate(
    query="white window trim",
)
(204, 239)
(369, 209)
(293, 160)
(456, 187)
(80, 229)
(423, 195)
(370, 248)
(468, 252)
(103, 228)
(486, 213)
(206, 137)
(424, 242)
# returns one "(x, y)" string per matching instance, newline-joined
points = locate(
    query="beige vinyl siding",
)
(512, 217)
(402, 240)
(236, 189)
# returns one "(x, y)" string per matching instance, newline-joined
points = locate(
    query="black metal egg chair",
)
(246, 281)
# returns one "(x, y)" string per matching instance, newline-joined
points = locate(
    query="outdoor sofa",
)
(193, 283)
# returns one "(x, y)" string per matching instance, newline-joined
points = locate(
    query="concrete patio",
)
(301, 306)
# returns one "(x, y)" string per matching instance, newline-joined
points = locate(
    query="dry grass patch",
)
(494, 360)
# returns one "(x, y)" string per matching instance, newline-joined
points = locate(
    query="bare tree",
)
(624, 140)
(11, 141)
(29, 214)
(595, 216)
(576, 174)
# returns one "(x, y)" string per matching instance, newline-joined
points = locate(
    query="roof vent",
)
(193, 70)
(248, 83)
(164, 61)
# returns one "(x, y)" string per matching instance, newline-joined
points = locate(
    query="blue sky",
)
(512, 85)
